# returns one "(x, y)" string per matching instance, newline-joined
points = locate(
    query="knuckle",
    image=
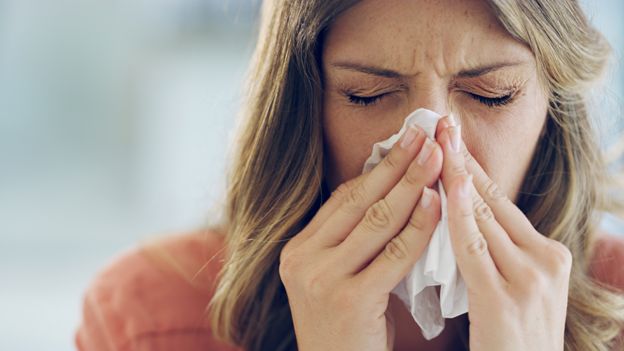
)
(316, 284)
(466, 212)
(285, 252)
(416, 222)
(560, 256)
(412, 177)
(288, 267)
(396, 249)
(534, 280)
(482, 211)
(355, 198)
(476, 244)
(467, 155)
(378, 216)
(458, 170)
(492, 190)
(391, 161)
(343, 189)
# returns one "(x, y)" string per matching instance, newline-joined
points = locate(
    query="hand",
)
(340, 269)
(517, 279)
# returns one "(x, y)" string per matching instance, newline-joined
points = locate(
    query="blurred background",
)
(114, 117)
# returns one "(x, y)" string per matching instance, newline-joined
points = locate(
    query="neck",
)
(409, 337)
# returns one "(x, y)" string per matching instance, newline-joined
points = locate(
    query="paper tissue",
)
(436, 266)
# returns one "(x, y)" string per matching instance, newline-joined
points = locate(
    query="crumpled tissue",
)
(436, 266)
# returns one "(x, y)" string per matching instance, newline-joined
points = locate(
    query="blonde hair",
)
(275, 182)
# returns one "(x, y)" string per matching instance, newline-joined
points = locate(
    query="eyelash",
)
(490, 102)
(494, 101)
(364, 100)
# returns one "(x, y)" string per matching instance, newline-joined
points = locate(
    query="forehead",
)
(415, 35)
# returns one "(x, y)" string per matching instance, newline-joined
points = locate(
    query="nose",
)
(431, 95)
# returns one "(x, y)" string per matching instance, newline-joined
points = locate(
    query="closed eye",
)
(365, 100)
(493, 101)
(488, 101)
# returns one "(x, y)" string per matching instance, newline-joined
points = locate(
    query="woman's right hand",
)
(340, 269)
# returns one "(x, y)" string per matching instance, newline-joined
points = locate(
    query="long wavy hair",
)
(275, 182)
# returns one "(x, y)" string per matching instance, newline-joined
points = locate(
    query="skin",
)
(339, 271)
(430, 42)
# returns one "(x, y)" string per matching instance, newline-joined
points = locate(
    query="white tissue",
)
(437, 264)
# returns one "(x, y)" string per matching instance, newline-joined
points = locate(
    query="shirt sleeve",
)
(607, 268)
(103, 330)
(100, 329)
(138, 302)
(608, 262)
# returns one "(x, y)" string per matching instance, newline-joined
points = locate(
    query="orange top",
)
(138, 304)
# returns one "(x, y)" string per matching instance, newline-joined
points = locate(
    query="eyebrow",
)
(388, 73)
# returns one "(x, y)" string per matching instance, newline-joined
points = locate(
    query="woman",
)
(292, 267)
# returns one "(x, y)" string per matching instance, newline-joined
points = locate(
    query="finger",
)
(401, 253)
(443, 123)
(505, 253)
(510, 217)
(469, 245)
(385, 218)
(507, 256)
(449, 136)
(356, 199)
(327, 208)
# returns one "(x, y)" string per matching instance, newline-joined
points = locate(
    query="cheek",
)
(345, 148)
(500, 158)
(349, 138)
(504, 147)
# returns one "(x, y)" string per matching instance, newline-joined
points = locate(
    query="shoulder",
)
(607, 265)
(154, 296)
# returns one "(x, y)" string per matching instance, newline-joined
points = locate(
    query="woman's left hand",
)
(517, 279)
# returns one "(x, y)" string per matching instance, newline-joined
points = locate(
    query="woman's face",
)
(384, 59)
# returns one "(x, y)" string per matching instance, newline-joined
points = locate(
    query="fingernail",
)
(425, 152)
(452, 121)
(409, 137)
(425, 198)
(455, 136)
(464, 190)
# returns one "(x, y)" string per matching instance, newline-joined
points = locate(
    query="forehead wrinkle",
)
(438, 47)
